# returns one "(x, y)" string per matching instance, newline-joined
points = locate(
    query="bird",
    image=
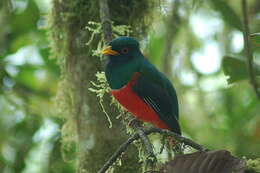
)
(139, 86)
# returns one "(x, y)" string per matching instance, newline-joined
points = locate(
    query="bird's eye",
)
(124, 50)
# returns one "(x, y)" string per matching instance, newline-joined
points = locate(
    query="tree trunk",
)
(95, 141)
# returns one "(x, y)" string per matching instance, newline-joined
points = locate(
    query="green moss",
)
(253, 166)
(136, 13)
(95, 29)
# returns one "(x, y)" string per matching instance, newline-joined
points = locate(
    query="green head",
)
(122, 49)
(124, 59)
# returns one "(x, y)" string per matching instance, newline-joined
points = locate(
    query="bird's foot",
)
(134, 122)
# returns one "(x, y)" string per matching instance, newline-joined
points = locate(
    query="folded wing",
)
(157, 91)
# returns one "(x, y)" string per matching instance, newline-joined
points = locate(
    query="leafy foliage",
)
(236, 69)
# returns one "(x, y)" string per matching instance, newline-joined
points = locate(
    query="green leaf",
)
(236, 69)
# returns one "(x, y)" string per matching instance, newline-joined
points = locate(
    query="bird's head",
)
(122, 49)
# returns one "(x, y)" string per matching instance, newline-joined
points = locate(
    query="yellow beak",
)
(109, 51)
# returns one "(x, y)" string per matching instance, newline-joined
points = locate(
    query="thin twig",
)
(150, 156)
(177, 137)
(248, 48)
(149, 131)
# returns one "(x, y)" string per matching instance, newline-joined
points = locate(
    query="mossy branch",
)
(105, 20)
(150, 159)
(148, 131)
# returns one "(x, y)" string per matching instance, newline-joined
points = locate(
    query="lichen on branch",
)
(95, 28)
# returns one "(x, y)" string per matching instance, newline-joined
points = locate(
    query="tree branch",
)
(173, 21)
(150, 156)
(105, 20)
(248, 48)
(148, 131)
(118, 153)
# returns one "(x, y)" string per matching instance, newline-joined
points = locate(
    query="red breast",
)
(134, 104)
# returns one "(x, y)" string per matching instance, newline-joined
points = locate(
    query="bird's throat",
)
(119, 75)
(130, 83)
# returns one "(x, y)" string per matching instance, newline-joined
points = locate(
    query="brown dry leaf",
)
(218, 161)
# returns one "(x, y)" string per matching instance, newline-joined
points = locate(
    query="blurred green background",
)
(213, 113)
